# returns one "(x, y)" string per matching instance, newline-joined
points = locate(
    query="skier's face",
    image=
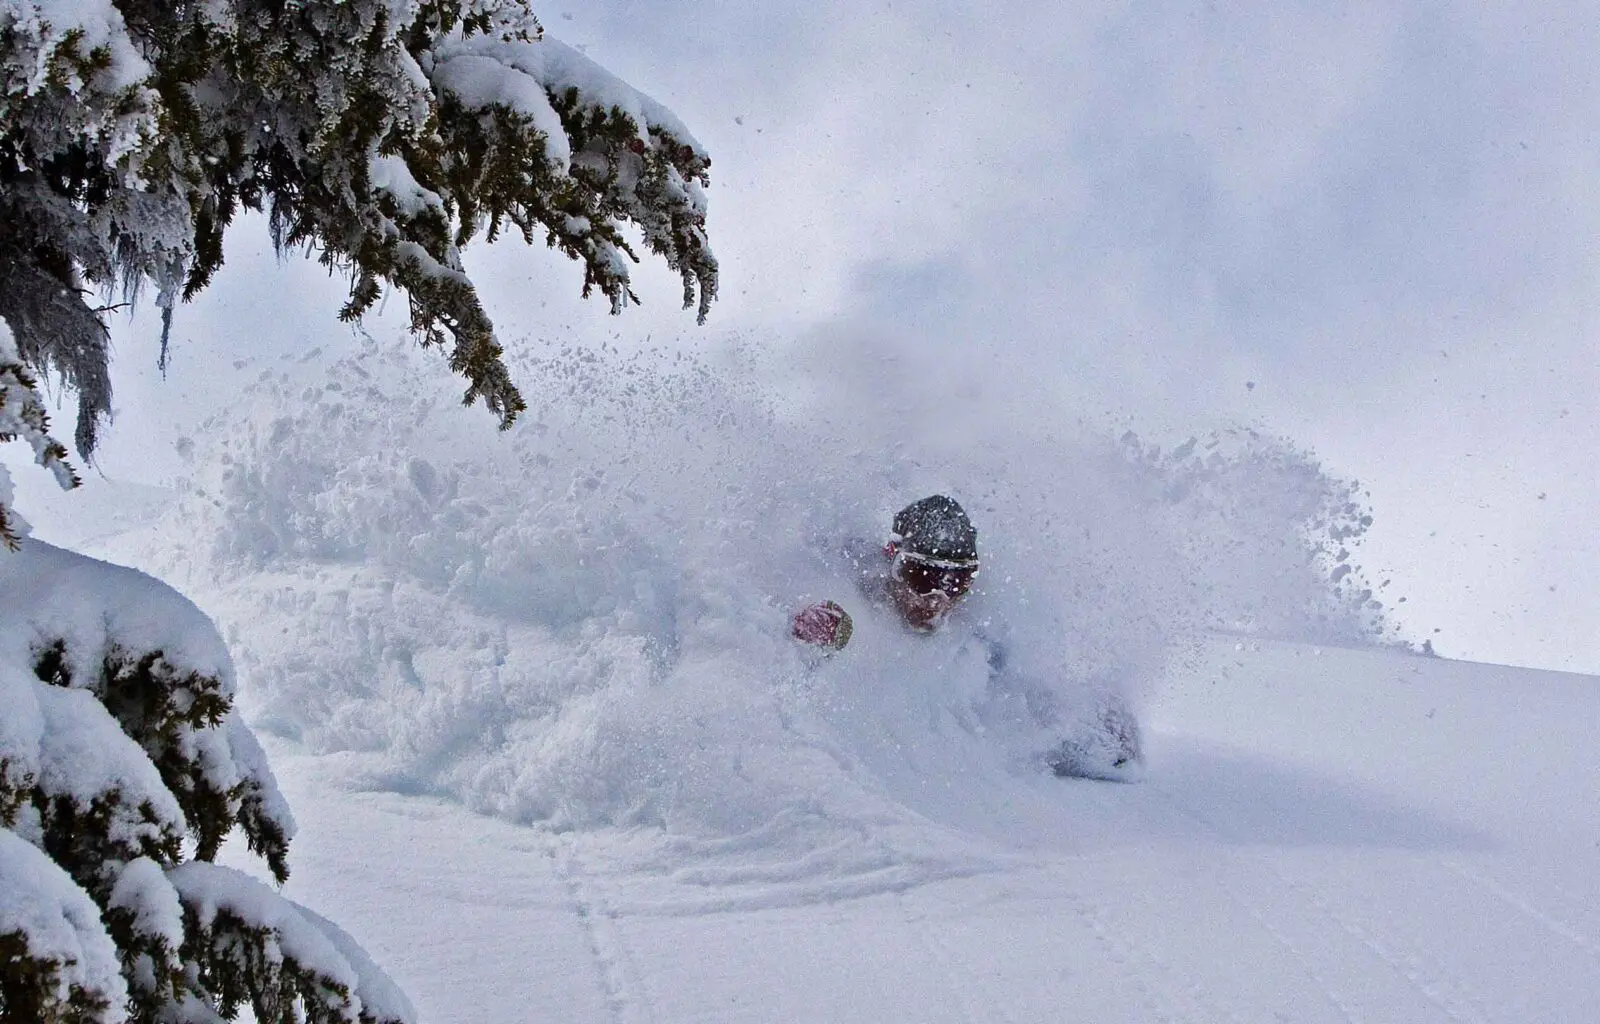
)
(924, 594)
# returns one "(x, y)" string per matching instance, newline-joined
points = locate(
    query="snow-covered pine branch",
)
(22, 417)
(257, 948)
(123, 767)
(76, 116)
(382, 135)
(56, 960)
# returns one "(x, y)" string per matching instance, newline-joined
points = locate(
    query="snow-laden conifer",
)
(56, 961)
(123, 767)
(382, 135)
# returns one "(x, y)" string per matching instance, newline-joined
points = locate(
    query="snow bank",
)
(582, 622)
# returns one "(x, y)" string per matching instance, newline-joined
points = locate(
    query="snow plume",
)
(1265, 535)
(1107, 522)
(583, 621)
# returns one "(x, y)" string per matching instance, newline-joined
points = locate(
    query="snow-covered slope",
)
(554, 756)
(1323, 835)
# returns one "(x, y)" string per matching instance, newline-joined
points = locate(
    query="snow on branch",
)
(83, 787)
(381, 136)
(256, 948)
(117, 737)
(23, 417)
(78, 119)
(56, 960)
(79, 53)
(381, 999)
(160, 680)
(609, 155)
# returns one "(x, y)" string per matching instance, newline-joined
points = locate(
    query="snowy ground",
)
(1324, 835)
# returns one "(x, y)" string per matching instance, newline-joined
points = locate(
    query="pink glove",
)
(824, 624)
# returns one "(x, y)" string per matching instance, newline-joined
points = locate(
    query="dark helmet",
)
(937, 527)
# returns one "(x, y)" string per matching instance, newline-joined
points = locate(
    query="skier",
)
(924, 571)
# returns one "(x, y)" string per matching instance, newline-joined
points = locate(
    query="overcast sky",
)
(1371, 228)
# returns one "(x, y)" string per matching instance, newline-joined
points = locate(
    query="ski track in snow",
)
(928, 938)
(618, 973)
(1508, 896)
(1442, 989)
(1179, 990)
(1144, 972)
(1297, 951)
(1326, 889)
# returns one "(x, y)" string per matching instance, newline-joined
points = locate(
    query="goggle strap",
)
(938, 563)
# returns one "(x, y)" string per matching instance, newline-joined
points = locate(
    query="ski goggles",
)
(926, 575)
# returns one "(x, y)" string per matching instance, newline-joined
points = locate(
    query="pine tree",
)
(382, 136)
(123, 768)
